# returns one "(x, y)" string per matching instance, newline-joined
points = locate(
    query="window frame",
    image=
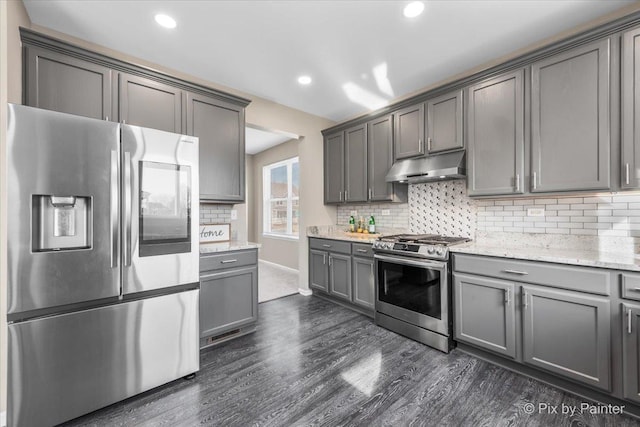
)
(267, 199)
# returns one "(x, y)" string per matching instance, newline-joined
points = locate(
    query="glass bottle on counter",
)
(352, 224)
(372, 225)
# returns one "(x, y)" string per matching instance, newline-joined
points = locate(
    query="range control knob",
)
(440, 251)
(430, 250)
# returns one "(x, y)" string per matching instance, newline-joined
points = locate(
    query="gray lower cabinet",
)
(363, 282)
(148, 103)
(318, 271)
(630, 109)
(355, 148)
(59, 82)
(570, 124)
(485, 313)
(334, 168)
(228, 293)
(567, 333)
(631, 351)
(496, 155)
(340, 276)
(444, 123)
(408, 131)
(219, 127)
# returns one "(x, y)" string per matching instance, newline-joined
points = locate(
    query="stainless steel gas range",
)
(413, 291)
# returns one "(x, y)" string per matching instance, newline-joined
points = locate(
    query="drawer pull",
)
(228, 261)
(525, 302)
(326, 246)
(364, 251)
(508, 292)
(636, 289)
(519, 273)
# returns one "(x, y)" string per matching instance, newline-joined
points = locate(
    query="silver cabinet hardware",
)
(630, 315)
(326, 246)
(525, 303)
(534, 178)
(517, 182)
(228, 261)
(429, 144)
(508, 292)
(636, 289)
(324, 259)
(626, 173)
(345, 196)
(364, 251)
(106, 118)
(329, 260)
(421, 145)
(518, 272)
(114, 208)
(370, 194)
(340, 195)
(124, 122)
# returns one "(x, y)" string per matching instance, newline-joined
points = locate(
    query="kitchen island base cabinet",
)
(228, 295)
(567, 333)
(485, 313)
(631, 351)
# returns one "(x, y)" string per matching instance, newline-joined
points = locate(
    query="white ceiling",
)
(258, 139)
(360, 54)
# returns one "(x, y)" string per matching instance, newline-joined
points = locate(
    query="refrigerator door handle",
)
(127, 209)
(115, 207)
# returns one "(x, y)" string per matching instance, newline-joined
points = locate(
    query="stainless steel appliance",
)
(413, 291)
(102, 263)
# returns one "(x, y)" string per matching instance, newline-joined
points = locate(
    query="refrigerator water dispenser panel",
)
(61, 223)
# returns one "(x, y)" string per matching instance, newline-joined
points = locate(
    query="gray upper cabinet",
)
(363, 282)
(444, 123)
(219, 126)
(495, 158)
(630, 353)
(340, 276)
(55, 81)
(409, 132)
(570, 97)
(485, 313)
(355, 142)
(568, 333)
(334, 168)
(318, 272)
(380, 158)
(631, 109)
(148, 103)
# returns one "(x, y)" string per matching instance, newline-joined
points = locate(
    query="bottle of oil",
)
(372, 225)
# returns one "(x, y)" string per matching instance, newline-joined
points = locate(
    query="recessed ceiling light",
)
(165, 20)
(304, 80)
(413, 9)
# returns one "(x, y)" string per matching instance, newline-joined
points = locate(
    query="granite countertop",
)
(233, 245)
(587, 251)
(338, 232)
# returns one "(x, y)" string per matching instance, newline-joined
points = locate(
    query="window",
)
(280, 183)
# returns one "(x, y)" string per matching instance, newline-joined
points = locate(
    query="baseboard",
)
(284, 267)
(305, 292)
(3, 419)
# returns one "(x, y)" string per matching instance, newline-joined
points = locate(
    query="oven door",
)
(415, 291)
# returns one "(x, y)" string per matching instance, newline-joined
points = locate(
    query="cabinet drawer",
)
(361, 249)
(631, 286)
(582, 279)
(228, 260)
(330, 245)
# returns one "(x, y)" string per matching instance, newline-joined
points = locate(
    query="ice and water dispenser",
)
(61, 223)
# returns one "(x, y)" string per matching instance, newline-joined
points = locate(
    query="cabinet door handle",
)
(329, 259)
(106, 118)
(517, 182)
(626, 173)
(429, 144)
(420, 145)
(534, 178)
(345, 196)
(518, 272)
(326, 246)
(370, 194)
(324, 259)
(364, 251)
(228, 261)
(525, 303)
(340, 195)
(630, 315)
(508, 292)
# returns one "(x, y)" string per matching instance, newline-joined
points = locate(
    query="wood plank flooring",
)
(312, 362)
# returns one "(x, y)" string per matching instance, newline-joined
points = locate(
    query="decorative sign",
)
(215, 233)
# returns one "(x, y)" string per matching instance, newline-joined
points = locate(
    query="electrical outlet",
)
(354, 213)
(385, 212)
(535, 212)
(234, 214)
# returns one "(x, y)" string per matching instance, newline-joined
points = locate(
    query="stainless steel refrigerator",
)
(102, 263)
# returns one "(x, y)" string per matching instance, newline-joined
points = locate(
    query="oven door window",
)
(165, 209)
(413, 288)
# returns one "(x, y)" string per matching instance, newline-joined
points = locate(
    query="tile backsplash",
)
(217, 214)
(445, 208)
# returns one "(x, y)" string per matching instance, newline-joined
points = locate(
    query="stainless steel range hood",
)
(439, 167)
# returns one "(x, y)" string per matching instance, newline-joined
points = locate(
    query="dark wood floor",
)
(311, 362)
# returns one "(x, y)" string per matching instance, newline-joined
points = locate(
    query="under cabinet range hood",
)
(439, 167)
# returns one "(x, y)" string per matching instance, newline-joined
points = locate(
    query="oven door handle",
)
(403, 261)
